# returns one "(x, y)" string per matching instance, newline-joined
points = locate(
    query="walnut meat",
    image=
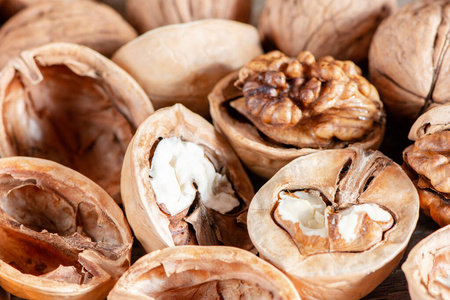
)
(337, 222)
(296, 106)
(342, 29)
(62, 235)
(428, 162)
(409, 61)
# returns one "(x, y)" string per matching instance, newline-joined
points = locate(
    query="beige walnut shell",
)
(62, 235)
(412, 76)
(145, 15)
(181, 63)
(427, 162)
(209, 272)
(342, 29)
(153, 228)
(68, 103)
(88, 23)
(343, 179)
(426, 268)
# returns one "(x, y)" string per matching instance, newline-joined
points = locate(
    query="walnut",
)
(342, 29)
(337, 222)
(296, 104)
(408, 59)
(428, 162)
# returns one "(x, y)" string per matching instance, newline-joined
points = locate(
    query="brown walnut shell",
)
(427, 265)
(209, 272)
(68, 103)
(342, 29)
(412, 76)
(181, 63)
(145, 15)
(336, 265)
(427, 162)
(62, 235)
(87, 23)
(156, 229)
(290, 107)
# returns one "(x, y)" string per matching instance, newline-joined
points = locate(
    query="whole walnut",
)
(408, 60)
(342, 29)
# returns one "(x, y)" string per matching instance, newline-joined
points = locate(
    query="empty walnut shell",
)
(427, 265)
(342, 29)
(145, 15)
(210, 272)
(427, 162)
(88, 23)
(370, 209)
(412, 76)
(153, 227)
(62, 235)
(290, 107)
(67, 103)
(181, 63)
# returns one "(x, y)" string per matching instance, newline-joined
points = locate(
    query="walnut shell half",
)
(209, 272)
(154, 227)
(68, 103)
(337, 222)
(62, 236)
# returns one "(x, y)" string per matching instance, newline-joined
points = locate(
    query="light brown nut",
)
(342, 29)
(153, 224)
(11, 7)
(209, 272)
(87, 23)
(347, 229)
(68, 103)
(181, 63)
(62, 235)
(427, 265)
(412, 76)
(145, 15)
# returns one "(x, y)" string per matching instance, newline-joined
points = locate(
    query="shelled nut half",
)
(62, 236)
(177, 175)
(209, 272)
(281, 108)
(337, 222)
(427, 162)
(68, 103)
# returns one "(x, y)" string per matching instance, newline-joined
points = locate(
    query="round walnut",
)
(88, 23)
(69, 104)
(408, 59)
(183, 184)
(62, 236)
(342, 29)
(337, 222)
(181, 63)
(427, 267)
(278, 108)
(145, 15)
(427, 162)
(209, 272)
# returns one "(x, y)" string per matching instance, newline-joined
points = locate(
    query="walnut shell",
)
(145, 15)
(426, 268)
(11, 7)
(209, 272)
(412, 76)
(342, 180)
(342, 29)
(88, 23)
(291, 107)
(68, 103)
(181, 63)
(156, 229)
(427, 162)
(62, 235)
